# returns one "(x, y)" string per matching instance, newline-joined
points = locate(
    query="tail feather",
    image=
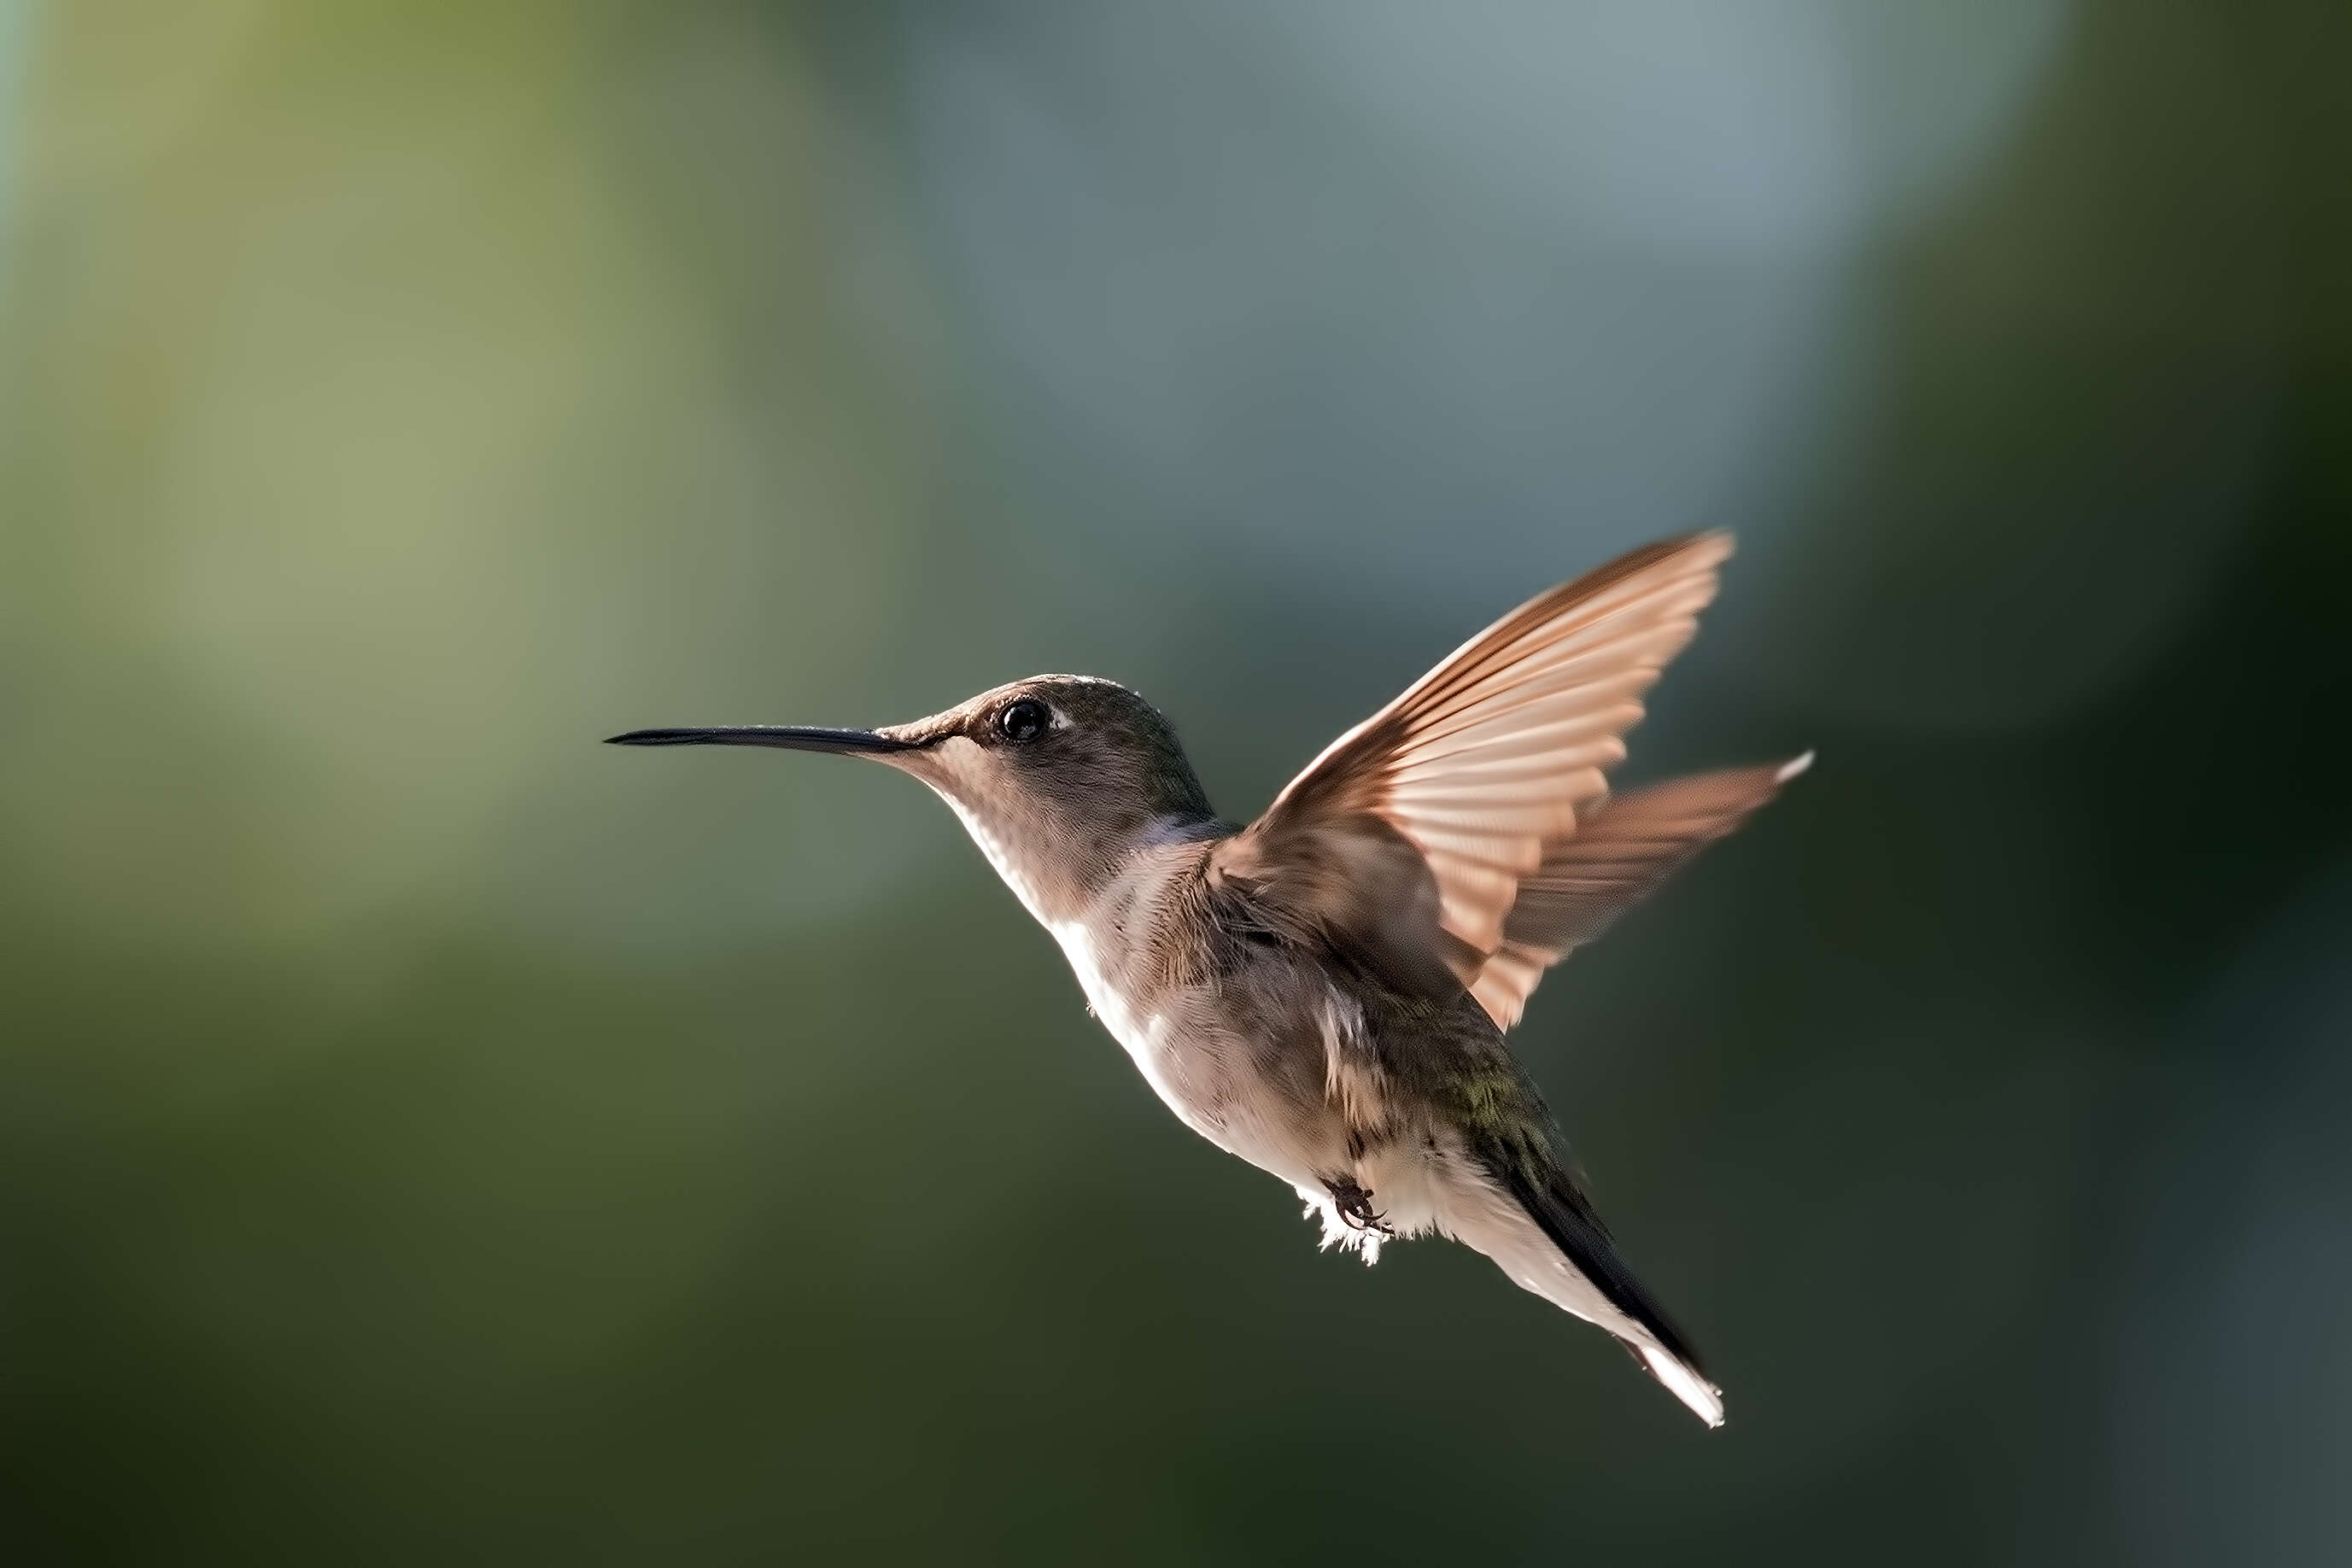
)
(1580, 1270)
(1683, 1380)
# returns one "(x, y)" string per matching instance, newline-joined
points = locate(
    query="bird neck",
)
(1065, 872)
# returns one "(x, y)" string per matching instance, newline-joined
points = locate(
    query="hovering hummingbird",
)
(1324, 991)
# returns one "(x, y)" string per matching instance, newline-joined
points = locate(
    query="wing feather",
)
(1627, 845)
(1481, 767)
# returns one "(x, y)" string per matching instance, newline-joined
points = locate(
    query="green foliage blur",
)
(428, 1135)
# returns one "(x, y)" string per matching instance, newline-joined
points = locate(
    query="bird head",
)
(1056, 777)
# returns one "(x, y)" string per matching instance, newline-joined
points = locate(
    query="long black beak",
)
(784, 737)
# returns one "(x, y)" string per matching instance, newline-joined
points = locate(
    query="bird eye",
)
(1023, 721)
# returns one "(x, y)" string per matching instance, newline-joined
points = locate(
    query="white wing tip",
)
(1684, 1383)
(1791, 768)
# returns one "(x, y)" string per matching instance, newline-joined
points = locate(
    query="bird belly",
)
(1217, 1085)
(1300, 1105)
(1240, 1093)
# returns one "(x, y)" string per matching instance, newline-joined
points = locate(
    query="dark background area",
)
(428, 1135)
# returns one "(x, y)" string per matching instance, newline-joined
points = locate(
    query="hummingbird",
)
(1325, 991)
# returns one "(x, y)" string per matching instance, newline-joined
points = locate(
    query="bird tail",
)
(1542, 1232)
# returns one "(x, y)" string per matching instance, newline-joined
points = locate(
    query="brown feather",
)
(1479, 770)
(1628, 845)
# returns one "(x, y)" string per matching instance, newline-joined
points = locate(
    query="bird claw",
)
(1353, 1205)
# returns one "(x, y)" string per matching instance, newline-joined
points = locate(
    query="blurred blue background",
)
(425, 1134)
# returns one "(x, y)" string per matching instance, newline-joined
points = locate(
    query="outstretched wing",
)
(1626, 845)
(1410, 838)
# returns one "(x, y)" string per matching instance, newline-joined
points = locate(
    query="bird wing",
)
(1626, 845)
(1411, 838)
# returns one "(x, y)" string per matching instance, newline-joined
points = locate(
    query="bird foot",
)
(1354, 1205)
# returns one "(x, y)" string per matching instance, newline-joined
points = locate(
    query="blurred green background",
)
(428, 1135)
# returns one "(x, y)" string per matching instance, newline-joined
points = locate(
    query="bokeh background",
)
(428, 1135)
